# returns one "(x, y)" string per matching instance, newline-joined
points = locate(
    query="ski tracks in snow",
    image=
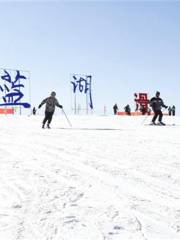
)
(110, 185)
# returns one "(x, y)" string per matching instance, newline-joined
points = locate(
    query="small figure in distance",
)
(136, 101)
(173, 110)
(51, 102)
(34, 111)
(115, 108)
(127, 109)
(169, 111)
(143, 109)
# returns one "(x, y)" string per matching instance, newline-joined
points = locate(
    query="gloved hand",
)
(61, 106)
(39, 106)
(166, 106)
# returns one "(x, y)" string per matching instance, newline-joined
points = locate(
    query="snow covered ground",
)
(106, 178)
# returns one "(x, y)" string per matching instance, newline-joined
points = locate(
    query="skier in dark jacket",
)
(157, 103)
(51, 103)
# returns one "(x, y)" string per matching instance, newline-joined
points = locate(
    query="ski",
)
(160, 125)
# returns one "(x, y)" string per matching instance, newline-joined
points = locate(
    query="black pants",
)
(158, 114)
(48, 117)
(115, 112)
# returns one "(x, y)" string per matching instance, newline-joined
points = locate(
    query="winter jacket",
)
(51, 103)
(157, 103)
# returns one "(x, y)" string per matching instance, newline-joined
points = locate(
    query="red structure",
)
(142, 101)
(6, 110)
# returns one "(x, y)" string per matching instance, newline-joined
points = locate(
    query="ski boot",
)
(161, 123)
(152, 123)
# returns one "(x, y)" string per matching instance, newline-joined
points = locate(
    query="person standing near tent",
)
(51, 102)
(115, 108)
(136, 101)
(34, 111)
(169, 110)
(173, 110)
(127, 109)
(157, 103)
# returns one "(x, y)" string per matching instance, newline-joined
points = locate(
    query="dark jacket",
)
(115, 107)
(51, 103)
(157, 103)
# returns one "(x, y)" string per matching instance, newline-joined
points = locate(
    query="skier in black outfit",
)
(157, 103)
(51, 103)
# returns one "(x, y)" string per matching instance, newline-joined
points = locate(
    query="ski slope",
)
(106, 178)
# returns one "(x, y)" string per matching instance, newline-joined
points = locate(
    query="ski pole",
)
(144, 119)
(67, 118)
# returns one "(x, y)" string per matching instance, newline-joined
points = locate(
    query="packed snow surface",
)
(104, 178)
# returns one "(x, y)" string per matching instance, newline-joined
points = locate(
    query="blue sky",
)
(127, 47)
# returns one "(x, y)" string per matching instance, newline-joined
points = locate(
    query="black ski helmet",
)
(53, 94)
(157, 93)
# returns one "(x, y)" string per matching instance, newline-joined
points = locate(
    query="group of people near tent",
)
(156, 104)
(171, 110)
